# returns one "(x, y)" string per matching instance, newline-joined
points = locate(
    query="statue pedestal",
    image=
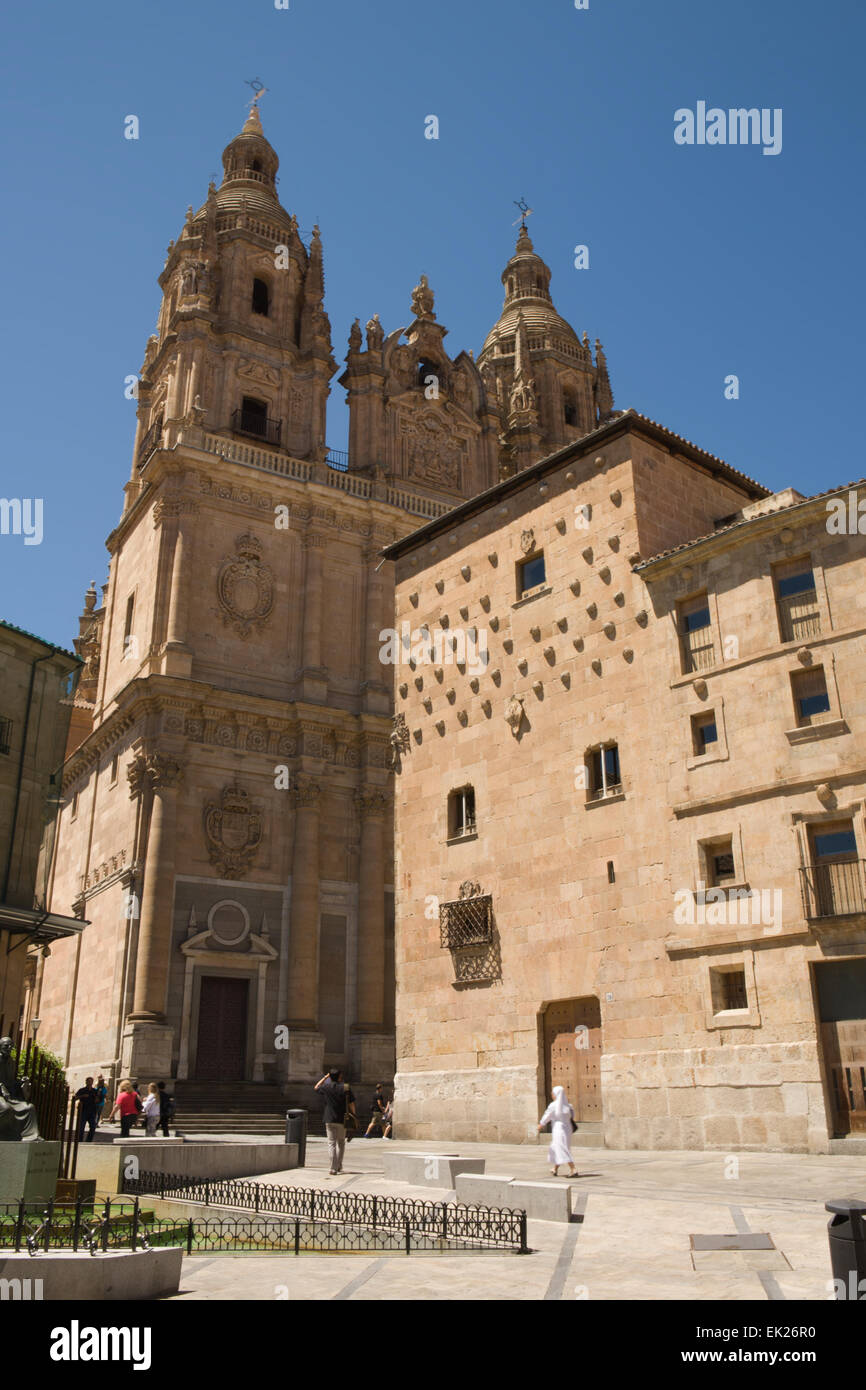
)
(28, 1171)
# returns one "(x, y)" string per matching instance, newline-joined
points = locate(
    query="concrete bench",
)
(435, 1170)
(542, 1201)
(486, 1190)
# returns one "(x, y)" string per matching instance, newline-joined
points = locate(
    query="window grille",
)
(466, 922)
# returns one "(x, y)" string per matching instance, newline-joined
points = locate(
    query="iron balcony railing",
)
(834, 889)
(339, 459)
(257, 426)
(150, 442)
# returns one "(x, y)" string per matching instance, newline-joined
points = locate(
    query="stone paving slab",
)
(636, 1214)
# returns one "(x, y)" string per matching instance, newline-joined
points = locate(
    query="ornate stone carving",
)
(135, 773)
(433, 453)
(422, 300)
(399, 740)
(305, 792)
(514, 714)
(470, 889)
(245, 587)
(527, 541)
(233, 830)
(258, 371)
(163, 770)
(370, 802)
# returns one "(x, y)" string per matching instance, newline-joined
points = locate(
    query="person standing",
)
(388, 1120)
(377, 1117)
(127, 1103)
(102, 1096)
(338, 1099)
(151, 1110)
(166, 1108)
(560, 1115)
(88, 1101)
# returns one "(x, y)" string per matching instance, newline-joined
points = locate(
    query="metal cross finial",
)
(525, 211)
(259, 90)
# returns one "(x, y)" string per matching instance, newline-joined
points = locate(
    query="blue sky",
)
(704, 261)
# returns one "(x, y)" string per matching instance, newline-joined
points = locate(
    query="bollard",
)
(296, 1133)
(847, 1235)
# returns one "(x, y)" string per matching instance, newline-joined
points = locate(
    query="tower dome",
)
(526, 279)
(533, 353)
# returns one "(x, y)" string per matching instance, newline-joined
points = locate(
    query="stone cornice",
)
(301, 730)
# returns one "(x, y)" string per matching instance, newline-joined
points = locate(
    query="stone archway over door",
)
(221, 1054)
(572, 1053)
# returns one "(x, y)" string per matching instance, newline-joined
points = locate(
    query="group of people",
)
(155, 1108)
(341, 1121)
(341, 1118)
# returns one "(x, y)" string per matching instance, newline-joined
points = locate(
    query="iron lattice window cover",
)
(466, 922)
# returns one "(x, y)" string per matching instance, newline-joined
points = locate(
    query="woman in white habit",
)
(559, 1113)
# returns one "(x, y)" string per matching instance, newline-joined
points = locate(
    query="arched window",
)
(261, 297)
(257, 165)
(426, 369)
(569, 408)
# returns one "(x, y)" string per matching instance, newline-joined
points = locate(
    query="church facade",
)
(227, 822)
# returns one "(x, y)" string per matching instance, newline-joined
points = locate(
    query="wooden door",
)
(222, 1029)
(572, 1048)
(845, 1061)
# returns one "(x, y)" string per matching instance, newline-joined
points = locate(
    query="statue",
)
(355, 336)
(422, 300)
(17, 1115)
(375, 334)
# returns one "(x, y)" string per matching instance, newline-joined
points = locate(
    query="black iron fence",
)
(50, 1096)
(117, 1224)
(456, 1225)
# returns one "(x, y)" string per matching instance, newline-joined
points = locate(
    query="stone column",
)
(312, 649)
(149, 1046)
(379, 615)
(372, 1046)
(177, 654)
(154, 933)
(306, 1044)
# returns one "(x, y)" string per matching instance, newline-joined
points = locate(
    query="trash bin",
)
(296, 1133)
(847, 1234)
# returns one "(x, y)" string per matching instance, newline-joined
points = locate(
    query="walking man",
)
(166, 1108)
(377, 1116)
(338, 1098)
(101, 1096)
(88, 1102)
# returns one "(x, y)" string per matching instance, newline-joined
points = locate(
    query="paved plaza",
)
(634, 1215)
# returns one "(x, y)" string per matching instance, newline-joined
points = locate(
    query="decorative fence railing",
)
(433, 1224)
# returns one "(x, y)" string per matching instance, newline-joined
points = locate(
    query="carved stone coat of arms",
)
(233, 829)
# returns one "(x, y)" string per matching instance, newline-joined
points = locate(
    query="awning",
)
(39, 925)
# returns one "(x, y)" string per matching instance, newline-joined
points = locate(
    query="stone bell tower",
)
(548, 389)
(243, 340)
(226, 831)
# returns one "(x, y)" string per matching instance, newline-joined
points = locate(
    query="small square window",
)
(530, 574)
(704, 732)
(719, 859)
(729, 990)
(811, 698)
